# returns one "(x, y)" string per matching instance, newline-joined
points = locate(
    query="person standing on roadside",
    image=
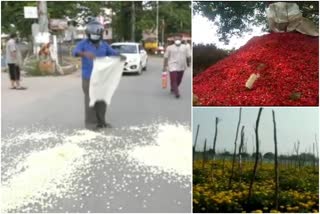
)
(13, 59)
(176, 60)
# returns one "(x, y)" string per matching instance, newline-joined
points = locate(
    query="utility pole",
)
(162, 33)
(157, 24)
(43, 16)
(133, 21)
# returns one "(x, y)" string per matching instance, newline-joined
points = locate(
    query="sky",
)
(204, 31)
(292, 124)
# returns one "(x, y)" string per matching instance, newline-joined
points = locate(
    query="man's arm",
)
(79, 52)
(188, 61)
(188, 56)
(111, 51)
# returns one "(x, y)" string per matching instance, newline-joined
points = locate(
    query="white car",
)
(137, 57)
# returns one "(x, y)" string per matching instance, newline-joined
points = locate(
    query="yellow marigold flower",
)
(257, 211)
(295, 208)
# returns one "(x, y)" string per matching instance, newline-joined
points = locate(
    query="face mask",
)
(177, 42)
(94, 37)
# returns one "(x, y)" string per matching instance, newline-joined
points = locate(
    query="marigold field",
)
(298, 188)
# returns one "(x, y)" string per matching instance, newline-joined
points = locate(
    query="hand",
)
(88, 55)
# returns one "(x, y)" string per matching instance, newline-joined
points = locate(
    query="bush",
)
(205, 56)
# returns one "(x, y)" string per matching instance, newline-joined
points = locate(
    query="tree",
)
(255, 154)
(177, 16)
(13, 23)
(63, 9)
(245, 155)
(269, 156)
(234, 18)
(226, 153)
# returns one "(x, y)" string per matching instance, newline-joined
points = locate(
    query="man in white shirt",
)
(176, 59)
(12, 59)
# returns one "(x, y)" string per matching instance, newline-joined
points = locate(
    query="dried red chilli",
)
(287, 63)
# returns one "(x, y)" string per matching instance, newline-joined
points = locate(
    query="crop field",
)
(276, 176)
(298, 188)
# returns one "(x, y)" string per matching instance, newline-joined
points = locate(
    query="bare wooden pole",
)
(235, 148)
(223, 161)
(276, 167)
(204, 157)
(215, 139)
(195, 142)
(214, 146)
(296, 148)
(240, 150)
(314, 157)
(257, 156)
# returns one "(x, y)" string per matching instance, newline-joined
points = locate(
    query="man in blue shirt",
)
(88, 49)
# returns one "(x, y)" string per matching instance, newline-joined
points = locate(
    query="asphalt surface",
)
(56, 104)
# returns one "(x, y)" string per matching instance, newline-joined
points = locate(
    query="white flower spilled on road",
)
(172, 151)
(43, 172)
(37, 135)
(82, 136)
(69, 166)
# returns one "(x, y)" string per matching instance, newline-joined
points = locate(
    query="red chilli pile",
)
(286, 62)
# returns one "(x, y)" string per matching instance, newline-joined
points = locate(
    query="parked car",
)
(137, 57)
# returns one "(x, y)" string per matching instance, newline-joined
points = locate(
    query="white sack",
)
(105, 78)
(286, 17)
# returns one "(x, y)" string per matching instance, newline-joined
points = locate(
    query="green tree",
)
(63, 9)
(234, 18)
(177, 15)
(268, 155)
(13, 23)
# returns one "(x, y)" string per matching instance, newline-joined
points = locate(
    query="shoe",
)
(177, 96)
(105, 125)
(101, 126)
(21, 88)
(108, 125)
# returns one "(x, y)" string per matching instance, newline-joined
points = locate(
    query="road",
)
(100, 174)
